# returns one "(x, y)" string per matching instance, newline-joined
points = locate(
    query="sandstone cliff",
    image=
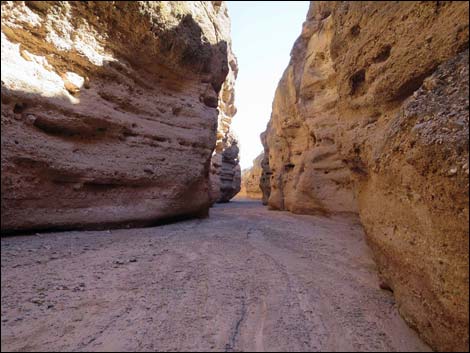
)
(266, 173)
(109, 110)
(225, 169)
(251, 179)
(371, 116)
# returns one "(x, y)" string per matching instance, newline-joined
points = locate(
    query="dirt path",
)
(243, 279)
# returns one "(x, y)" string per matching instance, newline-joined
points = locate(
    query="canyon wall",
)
(110, 111)
(251, 179)
(225, 169)
(372, 116)
(308, 175)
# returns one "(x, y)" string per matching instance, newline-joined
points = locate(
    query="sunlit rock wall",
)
(109, 110)
(372, 115)
(251, 179)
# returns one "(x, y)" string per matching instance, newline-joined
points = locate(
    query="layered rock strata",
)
(307, 173)
(372, 116)
(225, 169)
(109, 111)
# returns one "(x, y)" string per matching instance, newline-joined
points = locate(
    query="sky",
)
(263, 33)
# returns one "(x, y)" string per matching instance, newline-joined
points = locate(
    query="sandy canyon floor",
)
(244, 279)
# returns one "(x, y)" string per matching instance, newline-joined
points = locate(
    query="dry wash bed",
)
(243, 279)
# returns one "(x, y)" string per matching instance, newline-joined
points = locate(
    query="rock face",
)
(251, 179)
(225, 169)
(308, 175)
(266, 173)
(109, 110)
(372, 115)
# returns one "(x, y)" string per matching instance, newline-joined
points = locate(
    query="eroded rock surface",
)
(371, 115)
(225, 169)
(251, 179)
(109, 110)
(266, 173)
(308, 175)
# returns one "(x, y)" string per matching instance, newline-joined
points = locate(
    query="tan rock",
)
(225, 175)
(225, 170)
(372, 115)
(308, 175)
(266, 173)
(251, 178)
(106, 111)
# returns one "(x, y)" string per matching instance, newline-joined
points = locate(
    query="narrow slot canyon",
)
(173, 178)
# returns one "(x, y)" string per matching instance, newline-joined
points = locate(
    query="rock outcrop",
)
(308, 175)
(251, 180)
(225, 169)
(372, 116)
(110, 110)
(266, 173)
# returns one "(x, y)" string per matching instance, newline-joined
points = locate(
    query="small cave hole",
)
(289, 166)
(177, 110)
(325, 14)
(383, 55)
(357, 80)
(355, 30)
(19, 108)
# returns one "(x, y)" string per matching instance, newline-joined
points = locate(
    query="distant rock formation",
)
(225, 169)
(110, 111)
(266, 173)
(251, 179)
(372, 116)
